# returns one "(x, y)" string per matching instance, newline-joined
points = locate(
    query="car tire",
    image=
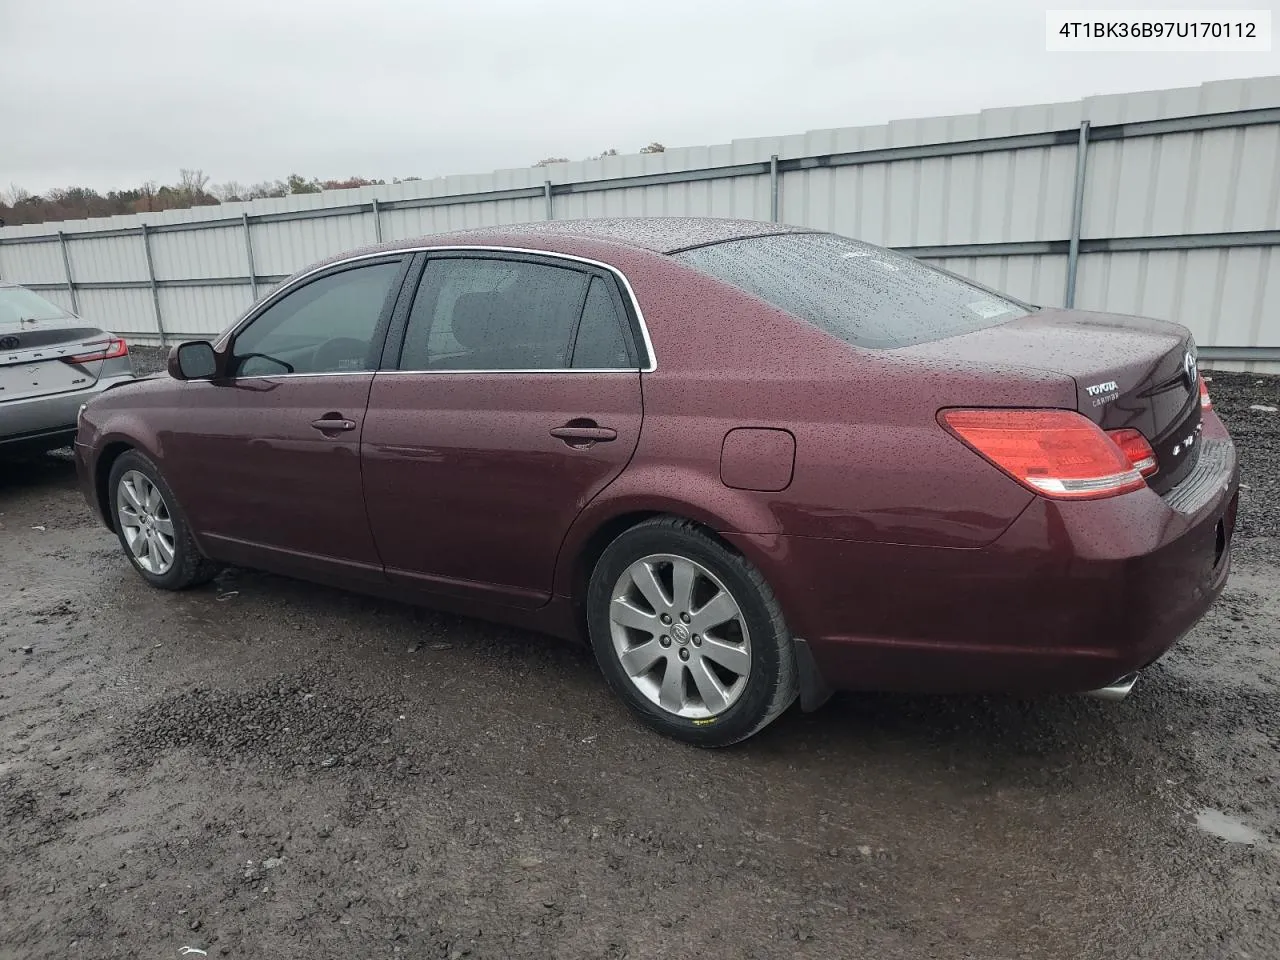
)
(133, 476)
(621, 624)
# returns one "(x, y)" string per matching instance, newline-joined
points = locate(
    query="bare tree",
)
(191, 184)
(267, 188)
(16, 195)
(654, 147)
(349, 183)
(230, 191)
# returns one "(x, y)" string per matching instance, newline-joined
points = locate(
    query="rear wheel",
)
(151, 526)
(689, 634)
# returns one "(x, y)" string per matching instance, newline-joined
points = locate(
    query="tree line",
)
(654, 147)
(193, 189)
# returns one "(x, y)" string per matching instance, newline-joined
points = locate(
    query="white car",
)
(51, 362)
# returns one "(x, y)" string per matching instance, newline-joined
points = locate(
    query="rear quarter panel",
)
(871, 461)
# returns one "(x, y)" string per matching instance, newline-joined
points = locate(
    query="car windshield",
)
(865, 295)
(19, 303)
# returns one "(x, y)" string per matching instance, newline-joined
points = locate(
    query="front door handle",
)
(333, 424)
(583, 433)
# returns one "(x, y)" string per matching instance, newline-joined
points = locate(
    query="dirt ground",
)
(263, 768)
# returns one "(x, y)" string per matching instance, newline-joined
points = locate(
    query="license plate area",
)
(38, 379)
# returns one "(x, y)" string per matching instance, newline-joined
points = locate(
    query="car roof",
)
(652, 234)
(655, 234)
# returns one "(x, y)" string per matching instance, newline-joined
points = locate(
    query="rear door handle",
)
(584, 434)
(333, 424)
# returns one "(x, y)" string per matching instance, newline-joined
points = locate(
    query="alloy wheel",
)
(146, 523)
(680, 636)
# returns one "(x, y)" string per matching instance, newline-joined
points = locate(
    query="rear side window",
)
(600, 344)
(863, 294)
(488, 313)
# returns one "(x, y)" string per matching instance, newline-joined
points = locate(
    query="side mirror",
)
(193, 360)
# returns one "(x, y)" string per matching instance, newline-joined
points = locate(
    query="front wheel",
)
(689, 634)
(151, 526)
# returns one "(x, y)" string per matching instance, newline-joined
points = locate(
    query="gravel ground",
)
(264, 768)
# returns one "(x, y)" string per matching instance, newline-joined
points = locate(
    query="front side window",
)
(325, 326)
(482, 313)
(863, 294)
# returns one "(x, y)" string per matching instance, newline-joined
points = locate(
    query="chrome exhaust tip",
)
(1115, 691)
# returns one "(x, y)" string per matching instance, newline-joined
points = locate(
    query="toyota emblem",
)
(1189, 368)
(9, 343)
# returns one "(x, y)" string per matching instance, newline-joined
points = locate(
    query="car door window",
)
(325, 326)
(482, 313)
(600, 343)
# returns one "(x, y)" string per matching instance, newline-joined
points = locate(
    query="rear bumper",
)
(1072, 597)
(47, 421)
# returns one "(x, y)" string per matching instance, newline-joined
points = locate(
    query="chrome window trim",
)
(631, 370)
(414, 373)
(652, 358)
(295, 376)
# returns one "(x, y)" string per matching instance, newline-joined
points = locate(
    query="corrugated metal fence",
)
(1164, 203)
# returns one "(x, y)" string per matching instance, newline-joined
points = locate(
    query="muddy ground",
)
(263, 768)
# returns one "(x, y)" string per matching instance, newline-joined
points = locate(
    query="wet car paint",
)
(884, 507)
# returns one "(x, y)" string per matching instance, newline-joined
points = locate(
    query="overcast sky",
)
(108, 94)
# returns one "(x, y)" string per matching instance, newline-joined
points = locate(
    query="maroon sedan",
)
(749, 462)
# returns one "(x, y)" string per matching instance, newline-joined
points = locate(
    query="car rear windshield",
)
(863, 294)
(19, 303)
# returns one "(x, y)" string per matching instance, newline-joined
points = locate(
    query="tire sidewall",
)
(176, 575)
(748, 711)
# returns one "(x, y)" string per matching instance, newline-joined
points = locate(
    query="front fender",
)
(132, 416)
(102, 451)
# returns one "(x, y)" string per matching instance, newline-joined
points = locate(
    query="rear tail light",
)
(111, 350)
(1205, 402)
(1055, 453)
(1136, 448)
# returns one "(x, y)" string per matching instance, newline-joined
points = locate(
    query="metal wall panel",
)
(122, 311)
(112, 258)
(997, 188)
(1203, 182)
(403, 224)
(32, 263)
(197, 254)
(284, 246)
(1037, 279)
(1226, 297)
(203, 311)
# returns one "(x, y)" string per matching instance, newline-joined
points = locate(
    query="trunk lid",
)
(34, 357)
(1129, 372)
